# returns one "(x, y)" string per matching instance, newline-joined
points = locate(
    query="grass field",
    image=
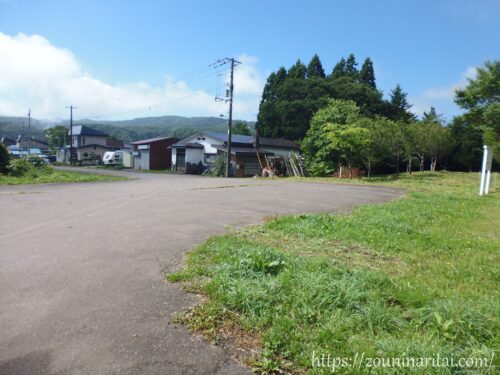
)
(51, 176)
(416, 277)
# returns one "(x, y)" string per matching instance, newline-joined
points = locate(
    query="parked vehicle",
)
(122, 158)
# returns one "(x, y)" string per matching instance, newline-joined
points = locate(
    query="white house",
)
(88, 144)
(195, 153)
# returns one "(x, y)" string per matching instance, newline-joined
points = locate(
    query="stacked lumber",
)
(295, 165)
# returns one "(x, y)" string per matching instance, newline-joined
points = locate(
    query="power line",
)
(195, 77)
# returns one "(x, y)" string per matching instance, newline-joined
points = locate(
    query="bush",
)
(220, 166)
(20, 167)
(4, 159)
(36, 161)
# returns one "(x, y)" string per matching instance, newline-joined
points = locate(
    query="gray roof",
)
(235, 138)
(249, 140)
(85, 130)
(151, 140)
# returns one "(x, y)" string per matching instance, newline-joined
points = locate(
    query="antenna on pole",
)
(228, 98)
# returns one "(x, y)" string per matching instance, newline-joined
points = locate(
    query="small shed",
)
(153, 153)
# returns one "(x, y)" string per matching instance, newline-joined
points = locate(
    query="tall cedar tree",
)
(290, 98)
(399, 108)
(350, 67)
(367, 73)
(339, 69)
(298, 70)
(315, 68)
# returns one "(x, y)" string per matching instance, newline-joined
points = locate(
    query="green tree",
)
(315, 68)
(377, 146)
(289, 100)
(298, 70)
(269, 118)
(399, 108)
(4, 159)
(241, 128)
(481, 101)
(467, 145)
(57, 137)
(336, 138)
(339, 69)
(432, 116)
(367, 73)
(351, 69)
(434, 139)
(440, 143)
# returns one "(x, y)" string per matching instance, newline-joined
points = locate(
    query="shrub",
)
(220, 166)
(4, 159)
(36, 161)
(20, 167)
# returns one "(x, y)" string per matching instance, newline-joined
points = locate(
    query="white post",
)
(488, 171)
(484, 185)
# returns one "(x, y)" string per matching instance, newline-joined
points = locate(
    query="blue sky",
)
(129, 49)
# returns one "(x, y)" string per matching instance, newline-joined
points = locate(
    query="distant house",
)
(17, 152)
(249, 154)
(89, 145)
(25, 142)
(7, 141)
(153, 153)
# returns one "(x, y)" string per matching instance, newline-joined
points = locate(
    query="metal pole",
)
(71, 134)
(230, 121)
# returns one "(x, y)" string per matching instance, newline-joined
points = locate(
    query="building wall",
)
(207, 142)
(194, 155)
(96, 150)
(174, 156)
(82, 140)
(159, 157)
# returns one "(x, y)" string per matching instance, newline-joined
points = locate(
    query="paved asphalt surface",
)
(82, 288)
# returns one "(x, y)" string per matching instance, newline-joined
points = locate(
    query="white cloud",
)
(441, 97)
(36, 74)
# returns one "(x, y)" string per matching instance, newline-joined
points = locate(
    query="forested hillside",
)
(128, 130)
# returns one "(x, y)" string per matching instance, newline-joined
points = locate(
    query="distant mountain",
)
(13, 126)
(128, 130)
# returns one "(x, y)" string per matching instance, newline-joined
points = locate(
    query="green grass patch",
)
(51, 175)
(418, 276)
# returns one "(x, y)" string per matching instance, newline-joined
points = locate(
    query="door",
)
(180, 160)
(144, 159)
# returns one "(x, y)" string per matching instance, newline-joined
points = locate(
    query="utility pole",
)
(29, 131)
(230, 121)
(229, 98)
(71, 108)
